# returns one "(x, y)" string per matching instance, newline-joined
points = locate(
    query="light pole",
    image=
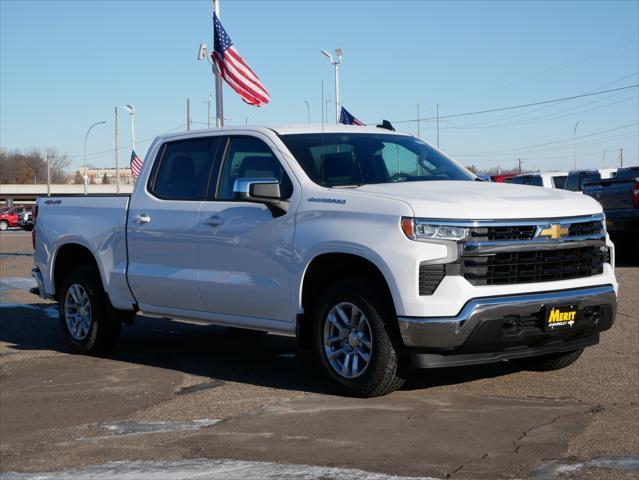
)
(574, 147)
(131, 111)
(308, 111)
(246, 120)
(85, 153)
(604, 160)
(339, 53)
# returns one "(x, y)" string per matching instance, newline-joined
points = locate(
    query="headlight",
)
(417, 229)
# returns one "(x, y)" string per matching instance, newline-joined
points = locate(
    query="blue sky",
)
(66, 64)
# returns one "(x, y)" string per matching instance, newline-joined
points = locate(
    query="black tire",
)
(383, 373)
(104, 330)
(4, 226)
(550, 362)
(246, 333)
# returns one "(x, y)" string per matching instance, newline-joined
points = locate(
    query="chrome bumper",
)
(453, 332)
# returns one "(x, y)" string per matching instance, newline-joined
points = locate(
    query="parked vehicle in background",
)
(542, 179)
(375, 249)
(619, 198)
(485, 178)
(505, 178)
(25, 220)
(577, 178)
(9, 217)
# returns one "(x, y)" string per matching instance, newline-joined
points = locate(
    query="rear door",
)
(163, 222)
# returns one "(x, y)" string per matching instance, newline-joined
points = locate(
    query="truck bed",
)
(101, 219)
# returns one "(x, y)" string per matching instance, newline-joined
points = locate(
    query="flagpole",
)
(219, 100)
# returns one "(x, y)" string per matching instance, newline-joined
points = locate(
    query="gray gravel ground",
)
(178, 401)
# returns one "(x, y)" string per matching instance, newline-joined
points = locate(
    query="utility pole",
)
(519, 161)
(574, 146)
(438, 125)
(418, 119)
(621, 156)
(50, 156)
(604, 160)
(188, 114)
(117, 151)
(208, 112)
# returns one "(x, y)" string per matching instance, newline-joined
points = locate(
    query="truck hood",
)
(484, 200)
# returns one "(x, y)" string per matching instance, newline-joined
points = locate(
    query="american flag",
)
(235, 71)
(136, 165)
(347, 118)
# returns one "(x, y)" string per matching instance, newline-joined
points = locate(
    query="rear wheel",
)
(4, 225)
(553, 361)
(84, 313)
(354, 341)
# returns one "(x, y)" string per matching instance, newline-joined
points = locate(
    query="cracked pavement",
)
(181, 400)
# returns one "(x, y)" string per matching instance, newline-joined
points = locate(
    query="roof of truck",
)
(288, 129)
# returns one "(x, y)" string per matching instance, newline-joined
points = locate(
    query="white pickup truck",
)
(375, 249)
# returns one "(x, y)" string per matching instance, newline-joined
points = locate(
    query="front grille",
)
(497, 233)
(585, 228)
(509, 268)
(527, 232)
(430, 276)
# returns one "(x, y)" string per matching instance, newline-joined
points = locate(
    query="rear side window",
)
(184, 169)
(559, 182)
(573, 182)
(250, 157)
(534, 180)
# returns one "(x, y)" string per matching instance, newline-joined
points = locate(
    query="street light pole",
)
(604, 160)
(131, 109)
(339, 53)
(308, 111)
(85, 154)
(574, 146)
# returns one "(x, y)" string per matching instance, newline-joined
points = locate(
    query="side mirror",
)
(259, 190)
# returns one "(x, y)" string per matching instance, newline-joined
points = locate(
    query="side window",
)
(534, 180)
(250, 157)
(560, 181)
(184, 169)
(572, 183)
(518, 180)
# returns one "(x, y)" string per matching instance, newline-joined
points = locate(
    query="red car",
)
(505, 178)
(9, 217)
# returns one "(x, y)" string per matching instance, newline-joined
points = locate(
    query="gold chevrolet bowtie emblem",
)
(554, 231)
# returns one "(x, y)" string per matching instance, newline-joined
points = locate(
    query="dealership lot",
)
(177, 400)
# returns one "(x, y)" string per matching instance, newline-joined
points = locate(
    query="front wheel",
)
(4, 226)
(550, 362)
(84, 313)
(354, 341)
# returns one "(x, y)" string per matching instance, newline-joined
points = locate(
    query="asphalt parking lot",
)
(178, 400)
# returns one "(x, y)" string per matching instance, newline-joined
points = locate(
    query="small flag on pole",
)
(136, 165)
(235, 71)
(346, 118)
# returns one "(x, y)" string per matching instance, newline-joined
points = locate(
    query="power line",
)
(537, 146)
(533, 104)
(479, 125)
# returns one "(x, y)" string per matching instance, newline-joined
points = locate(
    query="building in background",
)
(104, 176)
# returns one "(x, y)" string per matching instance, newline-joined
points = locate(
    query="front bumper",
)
(497, 327)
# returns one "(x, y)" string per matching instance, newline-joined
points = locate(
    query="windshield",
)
(353, 159)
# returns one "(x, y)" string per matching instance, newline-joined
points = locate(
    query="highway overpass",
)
(28, 193)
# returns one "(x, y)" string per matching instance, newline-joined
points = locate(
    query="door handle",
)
(142, 218)
(214, 221)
